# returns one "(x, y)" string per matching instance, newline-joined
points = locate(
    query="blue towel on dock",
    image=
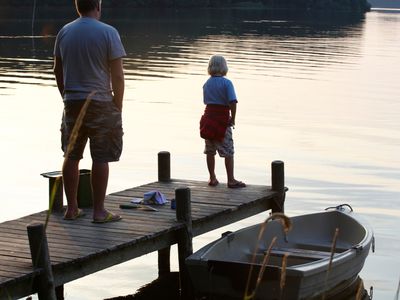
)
(154, 197)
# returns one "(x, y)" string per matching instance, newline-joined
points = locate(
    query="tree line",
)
(333, 5)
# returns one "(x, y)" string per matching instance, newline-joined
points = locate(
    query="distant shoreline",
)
(302, 5)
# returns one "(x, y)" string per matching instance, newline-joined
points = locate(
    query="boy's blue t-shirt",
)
(219, 90)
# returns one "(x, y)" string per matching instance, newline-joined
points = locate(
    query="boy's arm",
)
(117, 81)
(232, 106)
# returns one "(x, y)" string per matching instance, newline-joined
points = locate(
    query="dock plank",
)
(79, 248)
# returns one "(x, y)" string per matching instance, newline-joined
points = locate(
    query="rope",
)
(340, 207)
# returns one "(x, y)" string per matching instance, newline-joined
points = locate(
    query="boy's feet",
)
(236, 184)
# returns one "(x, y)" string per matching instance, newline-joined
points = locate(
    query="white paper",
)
(136, 200)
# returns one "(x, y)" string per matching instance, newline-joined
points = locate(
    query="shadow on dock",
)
(167, 287)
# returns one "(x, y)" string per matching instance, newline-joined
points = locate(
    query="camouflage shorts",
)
(224, 148)
(101, 124)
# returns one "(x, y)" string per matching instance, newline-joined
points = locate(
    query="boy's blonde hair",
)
(217, 66)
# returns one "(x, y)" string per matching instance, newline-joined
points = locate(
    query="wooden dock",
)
(79, 248)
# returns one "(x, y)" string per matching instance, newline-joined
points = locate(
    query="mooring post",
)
(164, 166)
(164, 175)
(185, 246)
(41, 260)
(278, 185)
(60, 292)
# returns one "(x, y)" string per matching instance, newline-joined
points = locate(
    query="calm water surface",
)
(320, 93)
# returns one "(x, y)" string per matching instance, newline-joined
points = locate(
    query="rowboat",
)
(301, 257)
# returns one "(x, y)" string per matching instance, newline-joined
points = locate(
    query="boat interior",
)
(310, 239)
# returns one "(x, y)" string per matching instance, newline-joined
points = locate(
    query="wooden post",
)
(278, 185)
(164, 266)
(164, 166)
(185, 246)
(164, 175)
(41, 260)
(60, 292)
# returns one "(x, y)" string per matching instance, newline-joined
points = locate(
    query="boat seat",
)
(300, 253)
(324, 247)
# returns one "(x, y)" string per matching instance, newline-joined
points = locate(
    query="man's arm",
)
(117, 81)
(58, 72)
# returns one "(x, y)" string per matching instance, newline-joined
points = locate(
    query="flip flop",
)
(79, 214)
(213, 182)
(236, 185)
(109, 218)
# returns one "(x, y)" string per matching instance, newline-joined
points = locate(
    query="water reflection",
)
(336, 128)
(162, 44)
(167, 287)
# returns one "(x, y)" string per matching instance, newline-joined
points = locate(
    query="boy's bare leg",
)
(70, 173)
(211, 169)
(229, 165)
(232, 182)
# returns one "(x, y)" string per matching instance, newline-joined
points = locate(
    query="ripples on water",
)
(317, 91)
(267, 44)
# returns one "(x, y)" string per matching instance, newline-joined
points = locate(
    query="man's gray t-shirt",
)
(86, 47)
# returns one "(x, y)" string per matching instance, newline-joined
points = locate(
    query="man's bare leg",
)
(70, 174)
(100, 173)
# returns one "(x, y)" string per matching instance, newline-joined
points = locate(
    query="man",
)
(89, 74)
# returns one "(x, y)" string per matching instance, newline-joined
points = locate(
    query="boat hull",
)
(221, 269)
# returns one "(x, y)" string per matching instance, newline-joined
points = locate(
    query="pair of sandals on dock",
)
(110, 217)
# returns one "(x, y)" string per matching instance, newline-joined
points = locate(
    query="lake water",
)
(320, 92)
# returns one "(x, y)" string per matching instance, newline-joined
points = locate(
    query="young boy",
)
(219, 116)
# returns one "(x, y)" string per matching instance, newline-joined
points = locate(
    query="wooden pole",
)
(41, 260)
(278, 185)
(60, 292)
(185, 246)
(164, 175)
(164, 266)
(164, 166)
